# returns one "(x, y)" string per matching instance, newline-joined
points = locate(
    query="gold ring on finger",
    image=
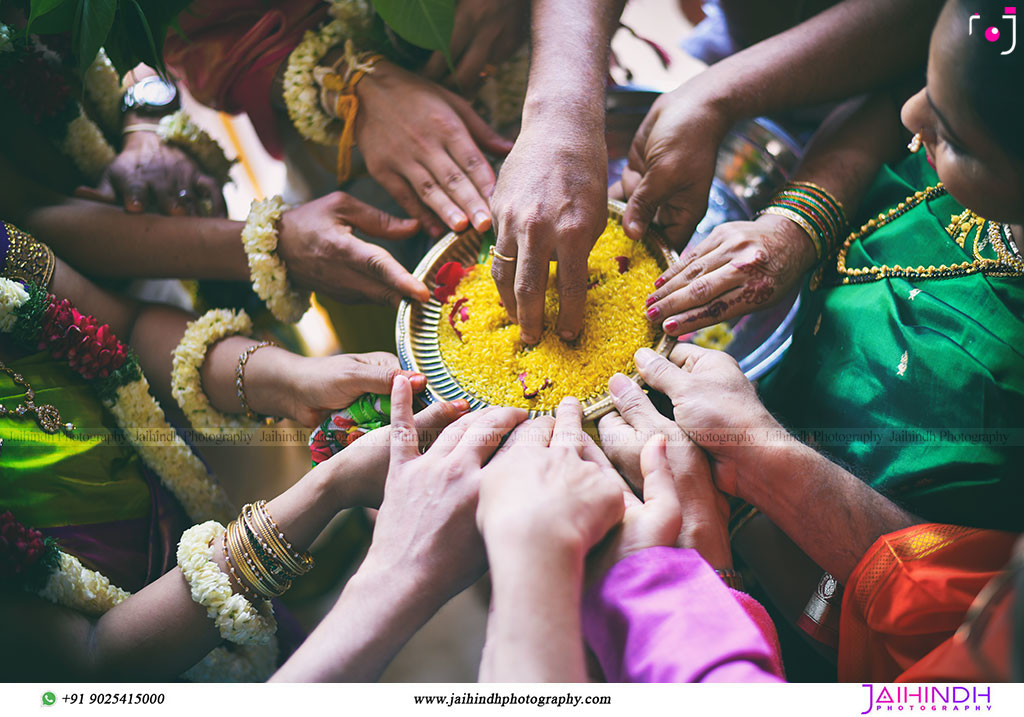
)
(494, 252)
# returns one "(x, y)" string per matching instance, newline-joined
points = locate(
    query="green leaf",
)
(157, 63)
(92, 25)
(424, 23)
(51, 16)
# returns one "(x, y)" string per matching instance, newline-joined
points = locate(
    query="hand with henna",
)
(740, 268)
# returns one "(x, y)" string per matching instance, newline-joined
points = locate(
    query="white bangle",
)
(140, 127)
(237, 619)
(268, 272)
(188, 358)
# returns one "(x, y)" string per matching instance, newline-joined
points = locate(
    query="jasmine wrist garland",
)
(179, 130)
(351, 19)
(269, 275)
(237, 619)
(188, 359)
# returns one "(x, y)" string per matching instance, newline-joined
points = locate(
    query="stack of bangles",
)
(261, 560)
(816, 211)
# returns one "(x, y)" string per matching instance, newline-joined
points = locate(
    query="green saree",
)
(90, 491)
(916, 385)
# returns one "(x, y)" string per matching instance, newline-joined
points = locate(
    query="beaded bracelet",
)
(237, 619)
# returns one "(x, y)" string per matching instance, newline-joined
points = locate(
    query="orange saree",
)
(907, 598)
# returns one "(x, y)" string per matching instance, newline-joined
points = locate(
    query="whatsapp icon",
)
(49, 698)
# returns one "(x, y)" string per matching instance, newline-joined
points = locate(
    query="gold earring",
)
(915, 143)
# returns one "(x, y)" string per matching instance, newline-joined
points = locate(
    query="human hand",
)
(671, 164)
(740, 268)
(550, 203)
(306, 389)
(627, 433)
(486, 32)
(716, 406)
(316, 242)
(655, 520)
(148, 173)
(360, 470)
(426, 522)
(548, 489)
(425, 145)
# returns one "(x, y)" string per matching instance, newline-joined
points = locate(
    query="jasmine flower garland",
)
(237, 619)
(268, 272)
(179, 130)
(189, 356)
(301, 96)
(40, 321)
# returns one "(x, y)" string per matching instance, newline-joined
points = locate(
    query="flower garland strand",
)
(268, 272)
(189, 356)
(237, 619)
(41, 322)
(351, 19)
(102, 86)
(179, 130)
(36, 319)
(36, 564)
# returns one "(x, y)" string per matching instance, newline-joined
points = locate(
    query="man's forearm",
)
(853, 47)
(535, 632)
(832, 515)
(569, 58)
(103, 240)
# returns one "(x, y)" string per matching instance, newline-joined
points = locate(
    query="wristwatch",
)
(152, 96)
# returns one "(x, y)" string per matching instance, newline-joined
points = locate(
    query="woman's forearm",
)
(159, 632)
(534, 633)
(851, 146)
(103, 240)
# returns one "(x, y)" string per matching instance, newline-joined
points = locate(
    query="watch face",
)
(154, 92)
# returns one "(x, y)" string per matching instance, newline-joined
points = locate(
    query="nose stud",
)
(915, 143)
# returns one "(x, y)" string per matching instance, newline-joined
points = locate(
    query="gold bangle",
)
(275, 583)
(257, 565)
(258, 543)
(27, 259)
(801, 222)
(246, 591)
(245, 569)
(294, 561)
(243, 359)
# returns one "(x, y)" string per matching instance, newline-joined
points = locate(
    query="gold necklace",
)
(959, 229)
(47, 415)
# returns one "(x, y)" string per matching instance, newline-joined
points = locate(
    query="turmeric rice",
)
(483, 350)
